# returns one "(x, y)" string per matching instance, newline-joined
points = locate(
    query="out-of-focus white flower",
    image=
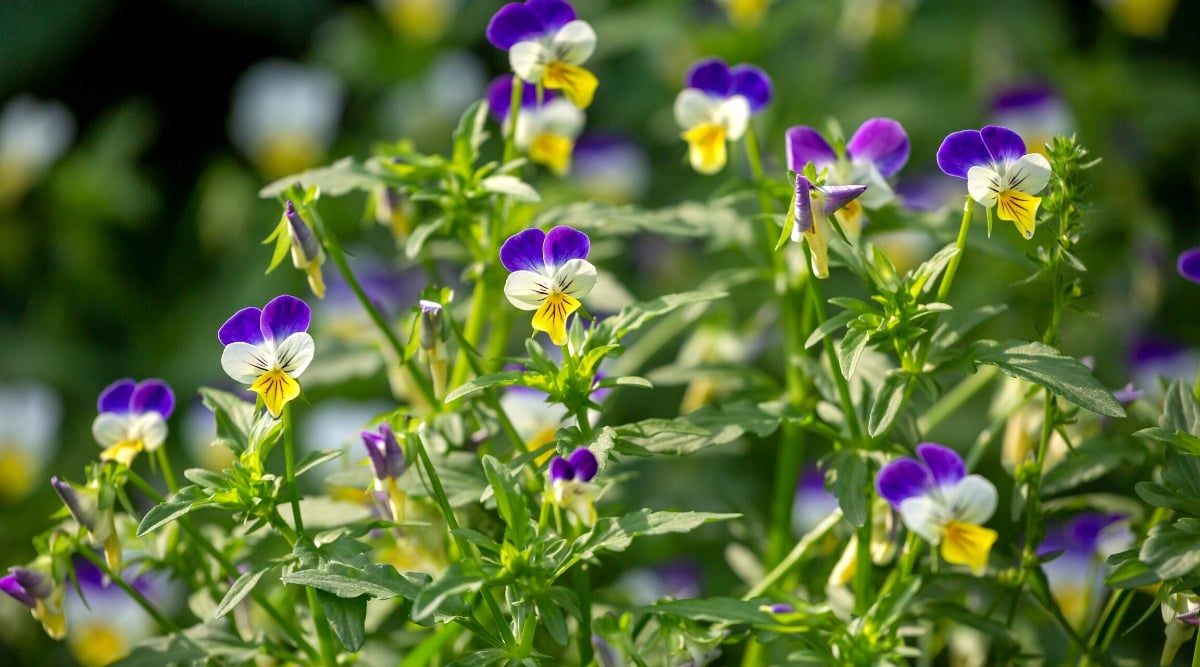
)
(105, 628)
(33, 134)
(30, 416)
(431, 105)
(610, 168)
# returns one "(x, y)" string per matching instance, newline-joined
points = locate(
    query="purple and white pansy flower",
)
(549, 274)
(1189, 265)
(715, 106)
(812, 208)
(1076, 575)
(133, 418)
(939, 501)
(998, 171)
(545, 131)
(878, 149)
(546, 45)
(570, 483)
(268, 349)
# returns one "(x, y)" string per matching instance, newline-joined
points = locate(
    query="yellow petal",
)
(98, 643)
(545, 437)
(315, 281)
(51, 615)
(552, 150)
(578, 84)
(551, 317)
(123, 452)
(819, 250)
(276, 389)
(967, 544)
(287, 153)
(706, 147)
(1020, 209)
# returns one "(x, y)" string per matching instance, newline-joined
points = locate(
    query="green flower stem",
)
(961, 244)
(423, 654)
(1196, 387)
(325, 638)
(843, 387)
(289, 457)
(953, 400)
(514, 110)
(583, 588)
(168, 474)
(163, 622)
(489, 396)
(481, 300)
(863, 597)
(466, 548)
(798, 552)
(1033, 505)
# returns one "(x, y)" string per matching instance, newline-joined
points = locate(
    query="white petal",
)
(574, 43)
(295, 353)
(983, 184)
(109, 429)
(1029, 174)
(559, 117)
(575, 278)
(150, 428)
(526, 290)
(693, 107)
(924, 516)
(529, 59)
(245, 362)
(734, 115)
(971, 500)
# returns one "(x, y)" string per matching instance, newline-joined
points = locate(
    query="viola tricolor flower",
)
(387, 463)
(546, 132)
(34, 588)
(813, 206)
(550, 273)
(93, 513)
(570, 482)
(546, 45)
(748, 13)
(610, 168)
(30, 415)
(1076, 576)
(1033, 110)
(939, 501)
(878, 149)
(105, 621)
(133, 417)
(715, 106)
(998, 171)
(33, 134)
(268, 349)
(1189, 265)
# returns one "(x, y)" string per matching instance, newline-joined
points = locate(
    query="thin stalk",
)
(1196, 653)
(583, 588)
(961, 244)
(514, 110)
(164, 622)
(473, 331)
(954, 399)
(806, 543)
(289, 457)
(168, 474)
(843, 387)
(325, 636)
(862, 564)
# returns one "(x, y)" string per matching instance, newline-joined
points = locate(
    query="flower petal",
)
(560, 470)
(295, 353)
(153, 396)
(804, 213)
(574, 43)
(752, 83)
(552, 315)
(694, 107)
(514, 23)
(527, 290)
(277, 389)
(150, 429)
(576, 83)
(242, 327)
(1189, 265)
(109, 429)
(552, 13)
(983, 184)
(972, 500)
(818, 245)
(283, 316)
(902, 479)
(576, 278)
(528, 59)
(968, 544)
(962, 150)
(245, 362)
(734, 115)
(881, 141)
(879, 193)
(117, 396)
(1020, 209)
(1003, 144)
(707, 152)
(944, 464)
(585, 464)
(1029, 174)
(711, 76)
(837, 196)
(562, 245)
(558, 117)
(805, 145)
(923, 516)
(523, 251)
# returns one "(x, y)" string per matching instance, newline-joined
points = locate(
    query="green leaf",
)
(1132, 574)
(829, 326)
(481, 658)
(624, 381)
(849, 471)
(611, 534)
(850, 350)
(510, 186)
(887, 403)
(1184, 472)
(200, 644)
(314, 459)
(452, 585)
(207, 479)
(420, 234)
(348, 616)
(707, 427)
(1045, 366)
(635, 315)
(502, 379)
(470, 134)
(716, 610)
(953, 327)
(185, 500)
(1161, 496)
(334, 180)
(554, 620)
(925, 276)
(240, 589)
(1173, 549)
(1091, 460)
(509, 500)
(233, 415)
(377, 580)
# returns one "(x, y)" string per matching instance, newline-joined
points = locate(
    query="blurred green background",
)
(123, 252)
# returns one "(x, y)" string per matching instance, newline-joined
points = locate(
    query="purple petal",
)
(562, 245)
(242, 327)
(1189, 265)
(960, 151)
(1128, 394)
(585, 464)
(710, 75)
(837, 196)
(387, 459)
(944, 464)
(560, 470)
(9, 584)
(513, 23)
(804, 214)
(116, 396)
(753, 84)
(1004, 144)
(1025, 96)
(153, 396)
(1084, 530)
(881, 141)
(553, 14)
(523, 251)
(902, 479)
(805, 145)
(283, 316)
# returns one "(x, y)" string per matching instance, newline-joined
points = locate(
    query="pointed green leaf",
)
(348, 616)
(1045, 366)
(850, 350)
(240, 589)
(511, 186)
(887, 403)
(509, 500)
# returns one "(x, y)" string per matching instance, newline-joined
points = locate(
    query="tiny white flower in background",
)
(30, 416)
(430, 106)
(33, 134)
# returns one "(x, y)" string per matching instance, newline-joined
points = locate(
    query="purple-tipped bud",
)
(780, 608)
(83, 503)
(26, 586)
(431, 324)
(606, 655)
(387, 459)
(304, 242)
(580, 466)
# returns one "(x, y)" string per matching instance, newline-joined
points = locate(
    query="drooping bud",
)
(35, 589)
(307, 254)
(387, 463)
(432, 339)
(83, 502)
